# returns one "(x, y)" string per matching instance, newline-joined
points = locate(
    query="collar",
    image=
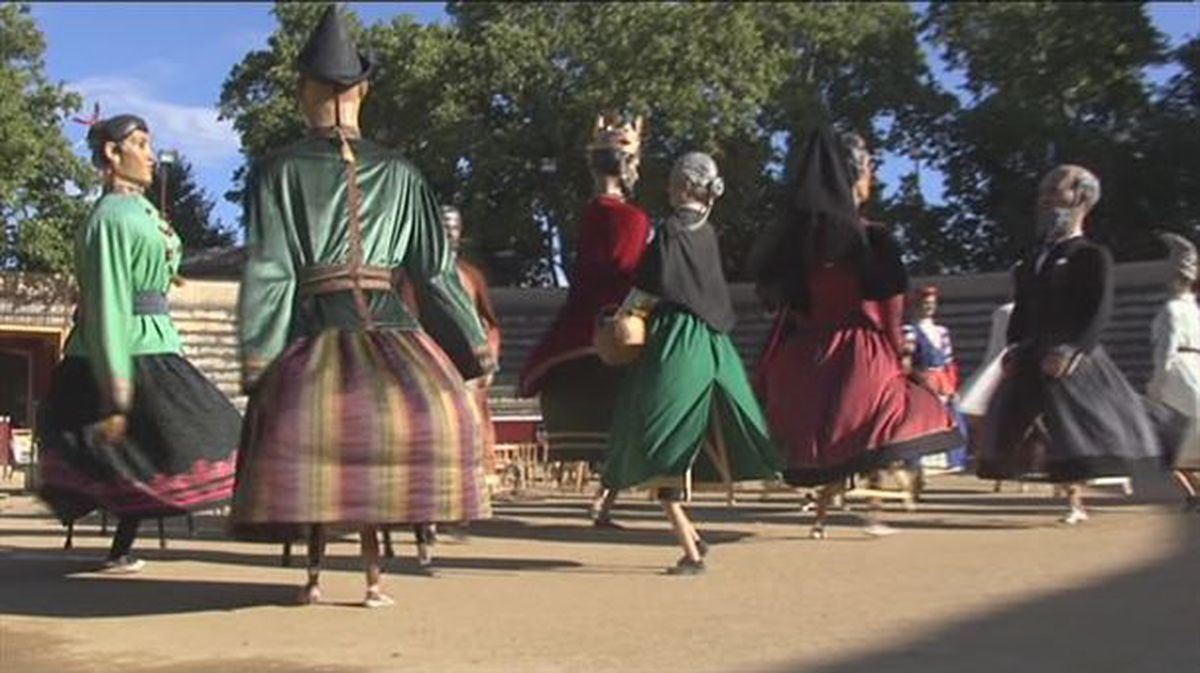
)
(122, 189)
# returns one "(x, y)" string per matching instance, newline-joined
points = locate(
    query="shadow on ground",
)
(59, 592)
(1146, 620)
(26, 652)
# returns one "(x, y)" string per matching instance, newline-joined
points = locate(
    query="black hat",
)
(330, 56)
(821, 223)
(114, 129)
(823, 186)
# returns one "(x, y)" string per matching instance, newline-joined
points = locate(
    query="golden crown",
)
(610, 134)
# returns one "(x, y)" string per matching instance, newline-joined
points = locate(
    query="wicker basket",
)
(619, 339)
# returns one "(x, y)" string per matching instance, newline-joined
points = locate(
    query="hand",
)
(1056, 364)
(109, 431)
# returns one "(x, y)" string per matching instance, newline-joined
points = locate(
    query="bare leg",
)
(602, 508)
(369, 544)
(423, 532)
(907, 481)
(1077, 513)
(1187, 480)
(874, 525)
(825, 496)
(316, 552)
(684, 532)
(388, 550)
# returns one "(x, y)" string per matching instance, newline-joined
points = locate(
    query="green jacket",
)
(123, 249)
(297, 217)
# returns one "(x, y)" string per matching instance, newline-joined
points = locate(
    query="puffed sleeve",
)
(265, 298)
(106, 299)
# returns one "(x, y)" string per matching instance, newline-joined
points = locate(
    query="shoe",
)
(1074, 517)
(424, 556)
(606, 522)
(123, 565)
(310, 594)
(686, 566)
(377, 599)
(879, 530)
(817, 532)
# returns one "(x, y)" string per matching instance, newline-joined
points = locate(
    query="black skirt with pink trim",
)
(179, 454)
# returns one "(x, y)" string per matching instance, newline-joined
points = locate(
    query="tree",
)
(1169, 184)
(931, 244)
(1049, 83)
(189, 208)
(42, 181)
(496, 108)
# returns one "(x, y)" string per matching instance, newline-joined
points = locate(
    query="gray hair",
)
(1084, 184)
(1181, 256)
(450, 210)
(698, 173)
(856, 155)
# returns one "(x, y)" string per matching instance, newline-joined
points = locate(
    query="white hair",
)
(698, 173)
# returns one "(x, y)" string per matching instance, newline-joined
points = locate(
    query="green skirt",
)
(686, 403)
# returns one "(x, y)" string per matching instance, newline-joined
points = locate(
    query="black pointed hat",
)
(331, 56)
(820, 224)
(823, 183)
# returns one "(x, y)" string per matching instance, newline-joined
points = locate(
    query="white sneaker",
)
(424, 555)
(124, 565)
(377, 599)
(879, 530)
(1075, 516)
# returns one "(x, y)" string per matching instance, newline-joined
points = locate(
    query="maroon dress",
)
(576, 390)
(836, 397)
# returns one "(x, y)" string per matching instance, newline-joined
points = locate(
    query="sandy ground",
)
(976, 582)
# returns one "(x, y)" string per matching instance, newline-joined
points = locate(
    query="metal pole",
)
(162, 191)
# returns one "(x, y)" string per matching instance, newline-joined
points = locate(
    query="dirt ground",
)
(976, 582)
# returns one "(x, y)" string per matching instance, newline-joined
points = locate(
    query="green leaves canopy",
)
(496, 107)
(42, 181)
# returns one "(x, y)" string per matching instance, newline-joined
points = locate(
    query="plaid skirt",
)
(359, 428)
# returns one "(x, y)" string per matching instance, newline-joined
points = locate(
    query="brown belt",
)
(341, 277)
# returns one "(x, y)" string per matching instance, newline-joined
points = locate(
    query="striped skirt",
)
(359, 427)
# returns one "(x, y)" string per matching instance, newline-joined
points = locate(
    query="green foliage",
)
(1055, 83)
(42, 181)
(189, 207)
(497, 107)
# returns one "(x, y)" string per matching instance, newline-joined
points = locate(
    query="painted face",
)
(928, 306)
(132, 159)
(866, 179)
(452, 221)
(1058, 211)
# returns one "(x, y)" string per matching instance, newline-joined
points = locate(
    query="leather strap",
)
(341, 277)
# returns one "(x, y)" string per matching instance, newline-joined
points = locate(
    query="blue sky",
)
(166, 61)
